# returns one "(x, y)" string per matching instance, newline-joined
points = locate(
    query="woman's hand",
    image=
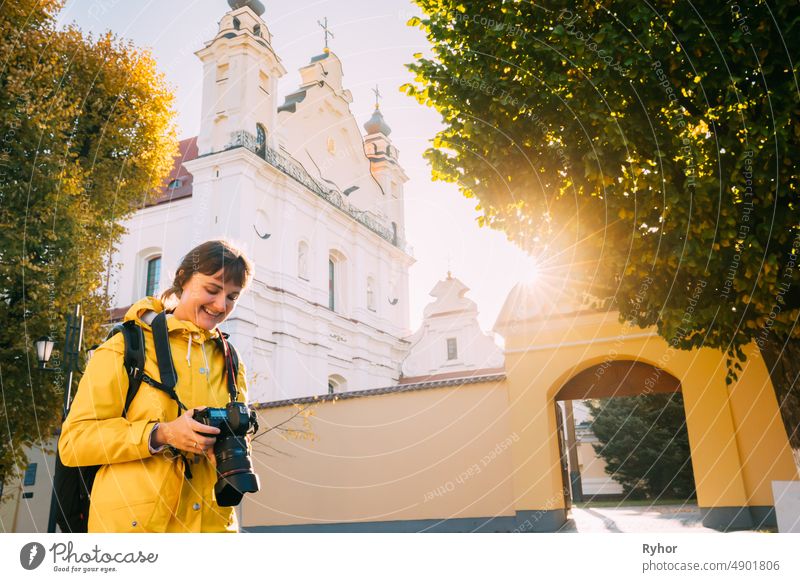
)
(186, 434)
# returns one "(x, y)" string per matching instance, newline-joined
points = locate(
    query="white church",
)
(317, 204)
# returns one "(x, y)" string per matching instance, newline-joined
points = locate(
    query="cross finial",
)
(378, 95)
(327, 30)
(449, 261)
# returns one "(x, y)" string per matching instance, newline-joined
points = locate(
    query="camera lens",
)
(235, 471)
(230, 490)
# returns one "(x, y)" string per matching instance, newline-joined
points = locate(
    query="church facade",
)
(315, 203)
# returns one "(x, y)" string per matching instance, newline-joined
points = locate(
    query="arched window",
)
(371, 293)
(336, 384)
(153, 275)
(337, 273)
(236, 23)
(257, 29)
(331, 284)
(302, 260)
(394, 233)
(261, 140)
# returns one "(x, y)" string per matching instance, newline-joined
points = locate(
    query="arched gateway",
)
(736, 436)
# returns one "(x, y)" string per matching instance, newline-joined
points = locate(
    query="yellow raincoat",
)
(136, 491)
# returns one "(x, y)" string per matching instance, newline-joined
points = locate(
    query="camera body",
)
(235, 475)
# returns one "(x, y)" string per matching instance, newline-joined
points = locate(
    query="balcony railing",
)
(295, 170)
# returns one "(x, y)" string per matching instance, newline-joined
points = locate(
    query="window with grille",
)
(153, 275)
(30, 476)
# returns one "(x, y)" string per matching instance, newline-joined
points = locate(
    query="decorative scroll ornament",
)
(261, 236)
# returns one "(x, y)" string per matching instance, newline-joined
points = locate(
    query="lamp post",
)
(72, 346)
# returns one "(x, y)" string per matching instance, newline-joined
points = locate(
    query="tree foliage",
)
(86, 137)
(646, 149)
(655, 144)
(645, 444)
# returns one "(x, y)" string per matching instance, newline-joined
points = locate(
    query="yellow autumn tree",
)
(86, 137)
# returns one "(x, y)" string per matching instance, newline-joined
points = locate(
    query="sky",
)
(374, 43)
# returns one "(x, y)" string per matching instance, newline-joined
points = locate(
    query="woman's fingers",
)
(204, 428)
(199, 426)
(191, 436)
(204, 443)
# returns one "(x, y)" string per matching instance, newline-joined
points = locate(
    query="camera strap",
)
(231, 364)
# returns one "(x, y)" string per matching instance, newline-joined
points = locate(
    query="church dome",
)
(377, 124)
(253, 5)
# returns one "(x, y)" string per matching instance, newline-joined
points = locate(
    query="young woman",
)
(142, 486)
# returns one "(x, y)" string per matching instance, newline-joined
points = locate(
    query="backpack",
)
(72, 486)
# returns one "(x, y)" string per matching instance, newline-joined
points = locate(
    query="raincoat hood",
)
(139, 312)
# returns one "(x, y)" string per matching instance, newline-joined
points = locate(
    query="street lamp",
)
(69, 365)
(44, 348)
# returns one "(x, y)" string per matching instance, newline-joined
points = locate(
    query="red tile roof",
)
(187, 150)
(116, 314)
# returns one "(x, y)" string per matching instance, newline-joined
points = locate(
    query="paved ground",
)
(655, 519)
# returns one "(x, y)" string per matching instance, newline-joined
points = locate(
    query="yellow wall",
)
(760, 433)
(592, 465)
(427, 454)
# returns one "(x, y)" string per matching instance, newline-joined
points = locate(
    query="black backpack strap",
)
(134, 360)
(231, 364)
(166, 367)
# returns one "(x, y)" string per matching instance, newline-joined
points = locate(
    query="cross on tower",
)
(327, 30)
(377, 96)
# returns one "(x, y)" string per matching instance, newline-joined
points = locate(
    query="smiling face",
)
(206, 300)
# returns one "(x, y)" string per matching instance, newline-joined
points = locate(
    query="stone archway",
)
(586, 478)
(738, 443)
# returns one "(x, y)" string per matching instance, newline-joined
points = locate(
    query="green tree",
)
(647, 150)
(645, 444)
(86, 137)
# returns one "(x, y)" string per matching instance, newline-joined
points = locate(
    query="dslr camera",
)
(235, 475)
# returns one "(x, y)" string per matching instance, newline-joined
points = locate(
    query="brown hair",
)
(208, 258)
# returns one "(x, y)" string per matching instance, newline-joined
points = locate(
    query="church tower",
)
(240, 79)
(385, 167)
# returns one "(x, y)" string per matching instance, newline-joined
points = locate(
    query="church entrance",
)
(623, 438)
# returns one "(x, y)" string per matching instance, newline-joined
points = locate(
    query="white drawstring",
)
(208, 371)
